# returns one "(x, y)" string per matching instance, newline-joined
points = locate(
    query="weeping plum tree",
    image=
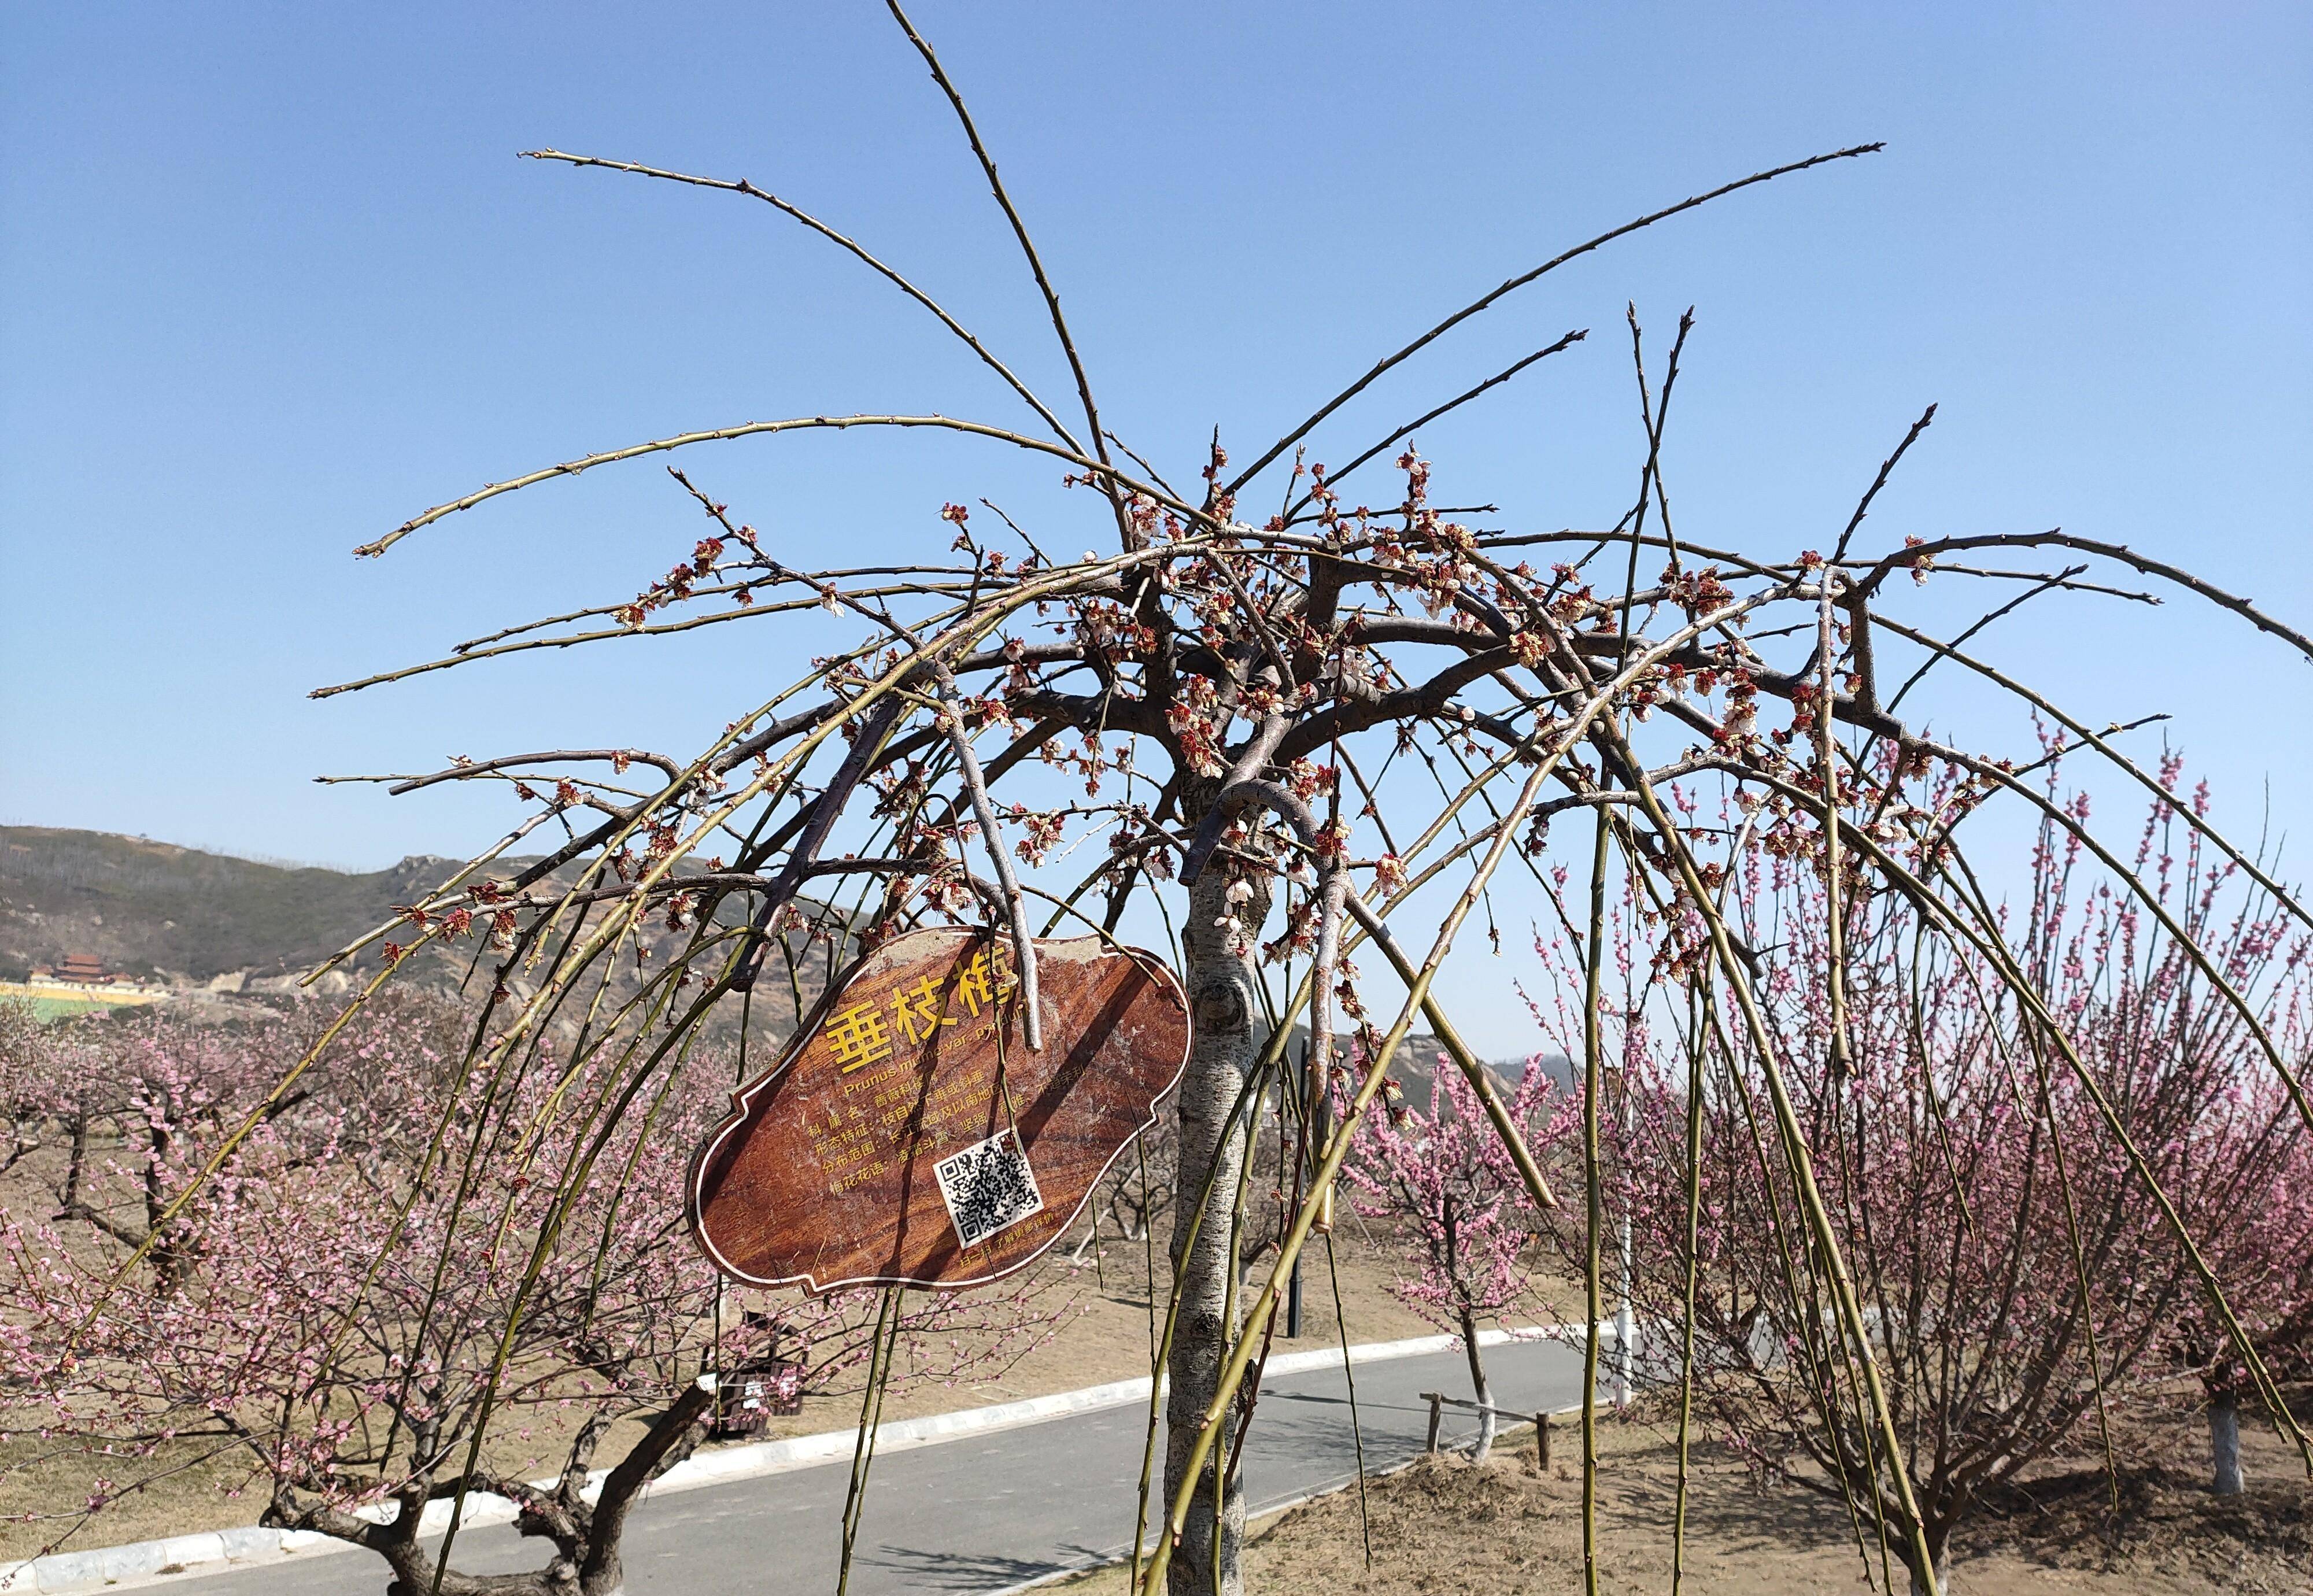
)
(1286, 728)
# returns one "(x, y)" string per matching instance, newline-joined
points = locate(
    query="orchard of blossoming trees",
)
(1279, 733)
(2019, 1284)
(349, 1317)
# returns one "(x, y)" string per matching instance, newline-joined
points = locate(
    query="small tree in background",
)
(1455, 1201)
(2266, 1250)
(2260, 1240)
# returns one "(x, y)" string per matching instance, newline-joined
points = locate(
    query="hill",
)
(152, 908)
(190, 919)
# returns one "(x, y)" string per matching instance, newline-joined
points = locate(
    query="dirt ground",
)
(1446, 1526)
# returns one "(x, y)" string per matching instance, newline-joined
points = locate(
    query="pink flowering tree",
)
(362, 1329)
(2264, 1251)
(126, 1108)
(1445, 1185)
(22, 1079)
(2019, 1282)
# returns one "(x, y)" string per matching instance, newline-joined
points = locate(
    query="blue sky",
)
(275, 280)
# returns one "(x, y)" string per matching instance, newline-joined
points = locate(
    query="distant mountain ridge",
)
(211, 925)
(150, 908)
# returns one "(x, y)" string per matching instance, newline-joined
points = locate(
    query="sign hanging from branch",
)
(909, 1137)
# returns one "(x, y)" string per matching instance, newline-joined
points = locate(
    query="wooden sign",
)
(907, 1136)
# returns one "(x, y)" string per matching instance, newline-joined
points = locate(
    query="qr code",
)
(989, 1187)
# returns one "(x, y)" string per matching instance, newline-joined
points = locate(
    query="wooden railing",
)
(1438, 1402)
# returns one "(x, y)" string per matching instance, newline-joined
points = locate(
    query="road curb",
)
(150, 1562)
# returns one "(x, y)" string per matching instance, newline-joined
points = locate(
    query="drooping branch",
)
(684, 440)
(1912, 555)
(825, 810)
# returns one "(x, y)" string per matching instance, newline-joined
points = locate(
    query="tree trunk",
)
(414, 1575)
(671, 1435)
(2224, 1441)
(1478, 1384)
(1938, 1543)
(1223, 998)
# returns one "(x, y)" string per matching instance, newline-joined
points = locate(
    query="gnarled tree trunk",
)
(1224, 1001)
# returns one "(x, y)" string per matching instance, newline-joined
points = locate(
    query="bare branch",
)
(1511, 286)
(482, 767)
(742, 185)
(1333, 478)
(1886, 466)
(1027, 248)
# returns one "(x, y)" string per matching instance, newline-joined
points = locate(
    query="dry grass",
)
(1448, 1525)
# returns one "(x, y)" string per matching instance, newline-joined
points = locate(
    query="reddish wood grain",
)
(823, 1174)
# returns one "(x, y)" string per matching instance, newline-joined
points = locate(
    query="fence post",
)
(1437, 1411)
(1542, 1440)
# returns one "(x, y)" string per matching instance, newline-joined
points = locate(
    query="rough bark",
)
(1938, 1539)
(601, 1574)
(1483, 1392)
(587, 1539)
(414, 1575)
(2224, 1442)
(1223, 995)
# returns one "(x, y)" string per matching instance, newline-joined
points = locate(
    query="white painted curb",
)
(143, 1562)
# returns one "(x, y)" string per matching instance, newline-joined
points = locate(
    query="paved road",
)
(982, 1512)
